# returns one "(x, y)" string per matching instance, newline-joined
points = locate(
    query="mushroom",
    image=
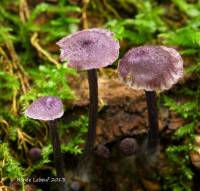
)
(102, 151)
(128, 146)
(89, 50)
(151, 68)
(50, 108)
(35, 153)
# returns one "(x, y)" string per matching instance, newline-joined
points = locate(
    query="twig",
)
(35, 43)
(23, 11)
(14, 102)
(18, 67)
(111, 9)
(23, 86)
(6, 61)
(5, 125)
(24, 138)
(84, 14)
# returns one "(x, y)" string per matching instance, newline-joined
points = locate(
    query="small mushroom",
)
(102, 151)
(128, 146)
(151, 68)
(49, 108)
(35, 153)
(89, 50)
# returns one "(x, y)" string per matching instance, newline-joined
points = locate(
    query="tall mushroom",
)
(49, 108)
(152, 68)
(89, 50)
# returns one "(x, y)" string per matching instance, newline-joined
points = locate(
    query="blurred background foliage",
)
(29, 59)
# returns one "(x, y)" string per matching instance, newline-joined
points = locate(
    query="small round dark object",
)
(102, 151)
(35, 154)
(128, 146)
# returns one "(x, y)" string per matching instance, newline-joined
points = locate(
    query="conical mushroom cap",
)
(89, 49)
(151, 67)
(46, 108)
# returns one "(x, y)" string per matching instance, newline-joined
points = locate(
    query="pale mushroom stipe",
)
(151, 68)
(50, 108)
(89, 50)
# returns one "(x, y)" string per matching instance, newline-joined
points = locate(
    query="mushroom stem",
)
(58, 158)
(93, 112)
(153, 137)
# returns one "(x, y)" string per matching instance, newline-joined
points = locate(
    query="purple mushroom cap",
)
(151, 67)
(89, 49)
(128, 146)
(35, 153)
(46, 108)
(102, 151)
